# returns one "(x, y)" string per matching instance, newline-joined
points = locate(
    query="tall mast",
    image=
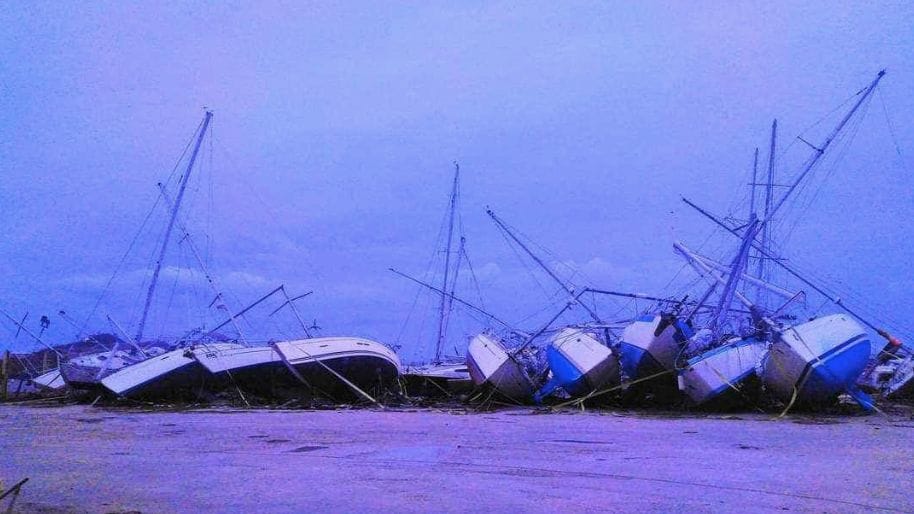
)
(548, 271)
(736, 272)
(761, 271)
(444, 307)
(171, 224)
(837, 301)
(819, 151)
(209, 278)
(754, 183)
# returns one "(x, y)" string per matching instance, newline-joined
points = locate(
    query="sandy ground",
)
(85, 459)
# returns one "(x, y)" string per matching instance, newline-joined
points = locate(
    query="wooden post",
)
(45, 362)
(4, 374)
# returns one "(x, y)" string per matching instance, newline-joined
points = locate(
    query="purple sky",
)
(336, 125)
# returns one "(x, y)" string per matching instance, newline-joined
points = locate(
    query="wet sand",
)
(85, 459)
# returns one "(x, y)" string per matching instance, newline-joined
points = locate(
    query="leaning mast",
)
(444, 306)
(170, 227)
(765, 234)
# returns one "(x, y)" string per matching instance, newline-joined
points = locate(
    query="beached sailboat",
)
(491, 364)
(718, 365)
(41, 378)
(579, 364)
(265, 370)
(648, 348)
(455, 376)
(443, 375)
(812, 363)
(719, 376)
(333, 365)
(175, 373)
(807, 364)
(85, 371)
(891, 373)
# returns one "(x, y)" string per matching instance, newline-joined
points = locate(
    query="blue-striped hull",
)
(837, 371)
(647, 354)
(579, 364)
(812, 363)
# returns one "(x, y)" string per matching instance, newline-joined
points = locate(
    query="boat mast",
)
(444, 307)
(209, 278)
(837, 301)
(171, 224)
(548, 271)
(762, 268)
(819, 151)
(736, 272)
(753, 184)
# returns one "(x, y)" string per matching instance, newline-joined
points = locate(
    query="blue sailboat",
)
(812, 363)
(649, 346)
(579, 364)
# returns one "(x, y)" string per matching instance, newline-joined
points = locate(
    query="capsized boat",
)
(579, 364)
(891, 372)
(85, 372)
(258, 369)
(436, 379)
(649, 346)
(720, 375)
(47, 381)
(813, 362)
(369, 365)
(175, 373)
(490, 364)
(50, 380)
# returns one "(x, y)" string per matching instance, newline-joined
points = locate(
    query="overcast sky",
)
(336, 125)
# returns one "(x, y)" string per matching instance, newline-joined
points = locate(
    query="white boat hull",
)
(438, 379)
(648, 349)
(47, 381)
(490, 364)
(369, 365)
(86, 371)
(173, 373)
(721, 372)
(813, 362)
(255, 369)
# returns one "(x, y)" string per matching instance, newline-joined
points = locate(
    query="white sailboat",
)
(810, 363)
(175, 373)
(718, 374)
(490, 364)
(334, 365)
(47, 381)
(41, 379)
(891, 372)
(85, 371)
(443, 374)
(579, 363)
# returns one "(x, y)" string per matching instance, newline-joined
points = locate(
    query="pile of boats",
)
(742, 343)
(808, 364)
